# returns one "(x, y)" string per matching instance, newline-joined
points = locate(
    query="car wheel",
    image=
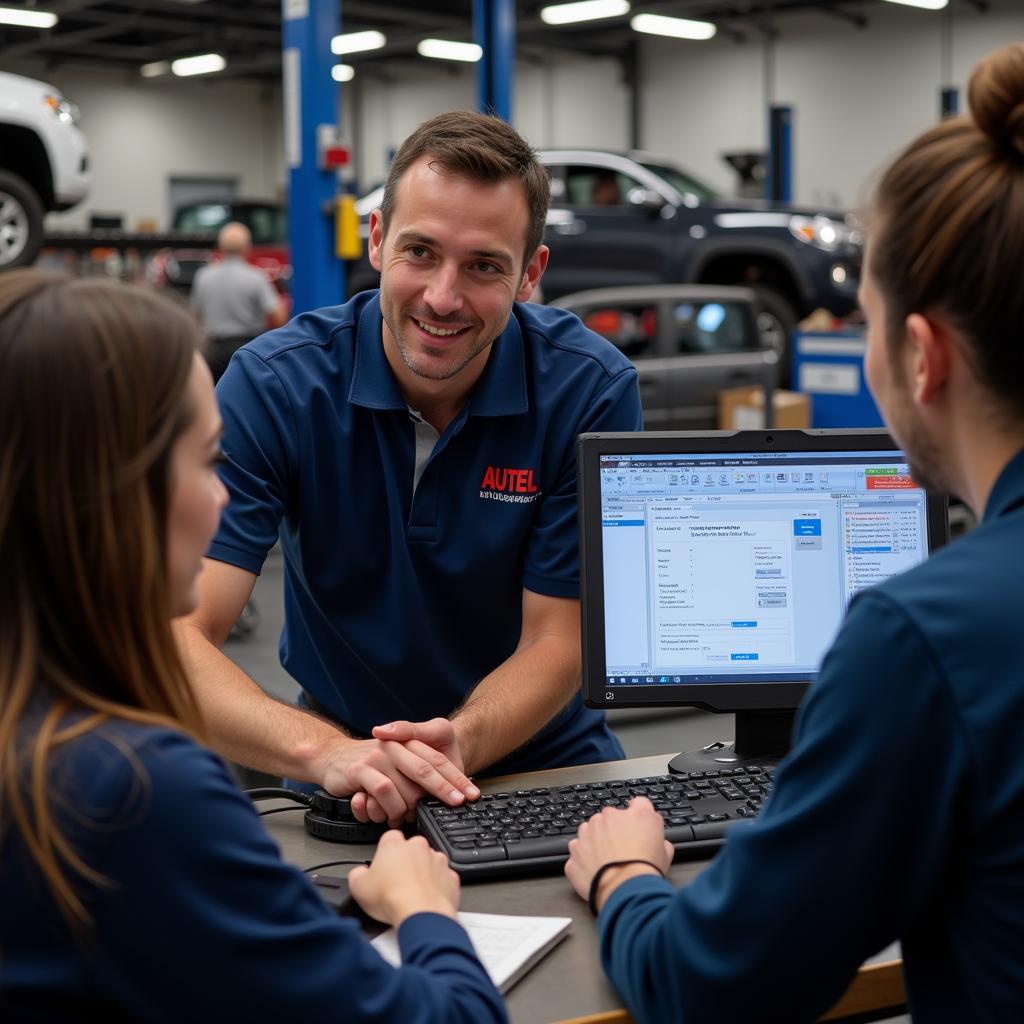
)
(21, 222)
(775, 323)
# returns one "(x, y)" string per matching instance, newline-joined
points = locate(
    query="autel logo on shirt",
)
(504, 484)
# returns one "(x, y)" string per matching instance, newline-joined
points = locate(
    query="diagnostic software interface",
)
(740, 567)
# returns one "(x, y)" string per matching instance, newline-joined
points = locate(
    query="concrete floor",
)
(641, 732)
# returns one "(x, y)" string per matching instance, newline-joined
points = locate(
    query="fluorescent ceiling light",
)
(27, 19)
(677, 28)
(155, 69)
(343, 72)
(203, 64)
(445, 49)
(356, 42)
(583, 10)
(928, 5)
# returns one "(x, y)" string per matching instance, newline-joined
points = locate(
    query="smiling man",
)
(415, 448)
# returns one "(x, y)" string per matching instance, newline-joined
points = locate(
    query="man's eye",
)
(418, 251)
(486, 268)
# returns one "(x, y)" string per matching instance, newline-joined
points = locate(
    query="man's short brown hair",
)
(480, 147)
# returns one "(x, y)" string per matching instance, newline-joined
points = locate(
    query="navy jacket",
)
(202, 919)
(899, 814)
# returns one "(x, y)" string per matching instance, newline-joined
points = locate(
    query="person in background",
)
(233, 300)
(606, 190)
(899, 813)
(136, 881)
(415, 451)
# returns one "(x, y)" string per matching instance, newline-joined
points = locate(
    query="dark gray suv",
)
(636, 219)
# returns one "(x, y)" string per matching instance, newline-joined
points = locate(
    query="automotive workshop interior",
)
(411, 481)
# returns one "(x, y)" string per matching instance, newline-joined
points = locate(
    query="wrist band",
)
(596, 880)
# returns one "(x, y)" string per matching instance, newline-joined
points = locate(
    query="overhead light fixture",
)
(343, 72)
(155, 69)
(583, 10)
(677, 28)
(926, 5)
(202, 64)
(27, 19)
(357, 42)
(446, 49)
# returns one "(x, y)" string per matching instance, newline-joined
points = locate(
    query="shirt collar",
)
(1008, 490)
(373, 384)
(501, 390)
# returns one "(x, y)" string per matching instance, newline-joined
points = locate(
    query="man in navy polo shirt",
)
(416, 450)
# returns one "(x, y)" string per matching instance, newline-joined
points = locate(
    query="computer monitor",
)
(716, 568)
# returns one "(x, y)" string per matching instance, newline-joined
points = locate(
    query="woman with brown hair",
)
(899, 813)
(135, 879)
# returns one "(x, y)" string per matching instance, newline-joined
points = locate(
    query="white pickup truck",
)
(44, 164)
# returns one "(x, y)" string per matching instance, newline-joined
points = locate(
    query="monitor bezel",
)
(720, 697)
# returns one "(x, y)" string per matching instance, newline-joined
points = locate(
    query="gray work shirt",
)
(232, 298)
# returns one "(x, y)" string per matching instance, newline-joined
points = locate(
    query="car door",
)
(633, 328)
(605, 229)
(712, 344)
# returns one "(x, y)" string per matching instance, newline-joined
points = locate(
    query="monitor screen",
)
(718, 567)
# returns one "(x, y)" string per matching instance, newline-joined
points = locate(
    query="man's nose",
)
(442, 293)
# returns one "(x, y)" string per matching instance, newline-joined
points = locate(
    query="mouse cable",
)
(337, 863)
(279, 793)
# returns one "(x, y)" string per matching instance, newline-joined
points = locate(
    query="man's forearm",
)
(245, 724)
(517, 700)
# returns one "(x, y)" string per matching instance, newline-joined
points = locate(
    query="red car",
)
(268, 222)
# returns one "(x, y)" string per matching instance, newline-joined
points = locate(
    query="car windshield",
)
(268, 223)
(681, 181)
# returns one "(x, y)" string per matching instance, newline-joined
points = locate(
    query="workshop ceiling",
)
(125, 34)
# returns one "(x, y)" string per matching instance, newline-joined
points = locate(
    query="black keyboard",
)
(528, 831)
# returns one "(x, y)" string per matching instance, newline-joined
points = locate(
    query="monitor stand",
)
(761, 737)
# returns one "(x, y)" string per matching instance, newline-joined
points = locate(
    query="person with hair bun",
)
(136, 882)
(899, 813)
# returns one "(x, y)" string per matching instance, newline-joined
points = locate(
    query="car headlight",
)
(64, 110)
(823, 232)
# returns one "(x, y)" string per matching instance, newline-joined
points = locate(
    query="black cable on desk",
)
(337, 863)
(279, 793)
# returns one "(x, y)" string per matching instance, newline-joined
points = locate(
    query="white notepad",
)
(508, 944)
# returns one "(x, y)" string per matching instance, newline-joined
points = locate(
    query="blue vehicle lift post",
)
(310, 100)
(494, 28)
(779, 180)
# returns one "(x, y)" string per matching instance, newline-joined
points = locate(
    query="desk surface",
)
(569, 982)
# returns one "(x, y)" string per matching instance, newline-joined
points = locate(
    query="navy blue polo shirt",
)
(899, 814)
(399, 600)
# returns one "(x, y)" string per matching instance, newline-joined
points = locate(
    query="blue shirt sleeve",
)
(552, 553)
(846, 853)
(260, 460)
(204, 915)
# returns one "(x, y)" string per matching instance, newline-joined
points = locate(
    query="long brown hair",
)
(93, 393)
(950, 228)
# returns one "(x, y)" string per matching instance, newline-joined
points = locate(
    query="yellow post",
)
(347, 243)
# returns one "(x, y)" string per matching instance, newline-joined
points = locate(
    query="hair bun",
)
(995, 94)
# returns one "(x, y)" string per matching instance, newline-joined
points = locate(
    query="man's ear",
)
(376, 240)
(929, 351)
(532, 273)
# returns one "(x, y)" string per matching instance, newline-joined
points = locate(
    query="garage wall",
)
(143, 132)
(859, 94)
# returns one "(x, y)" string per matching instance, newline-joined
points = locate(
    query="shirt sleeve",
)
(847, 852)
(552, 564)
(204, 917)
(260, 460)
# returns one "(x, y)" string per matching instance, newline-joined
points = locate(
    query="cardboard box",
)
(743, 409)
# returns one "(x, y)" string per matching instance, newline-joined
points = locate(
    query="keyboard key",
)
(478, 855)
(548, 846)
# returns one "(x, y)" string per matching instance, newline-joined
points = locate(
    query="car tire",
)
(776, 322)
(21, 222)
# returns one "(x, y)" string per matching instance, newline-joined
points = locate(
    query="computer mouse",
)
(334, 891)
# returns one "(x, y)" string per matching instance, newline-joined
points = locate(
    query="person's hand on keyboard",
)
(635, 834)
(386, 778)
(406, 877)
